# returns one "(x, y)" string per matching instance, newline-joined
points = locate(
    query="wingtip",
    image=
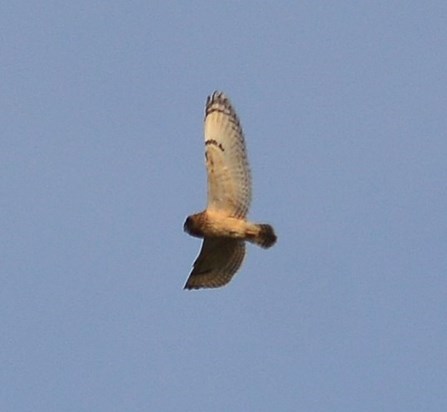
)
(215, 96)
(219, 101)
(189, 286)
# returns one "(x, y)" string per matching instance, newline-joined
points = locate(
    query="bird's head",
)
(192, 226)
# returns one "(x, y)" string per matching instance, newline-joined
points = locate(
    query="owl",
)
(223, 225)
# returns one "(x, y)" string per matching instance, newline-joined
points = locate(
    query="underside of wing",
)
(229, 181)
(218, 261)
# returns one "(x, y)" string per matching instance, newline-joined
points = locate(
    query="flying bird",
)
(223, 225)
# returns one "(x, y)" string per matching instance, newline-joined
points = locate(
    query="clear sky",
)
(101, 159)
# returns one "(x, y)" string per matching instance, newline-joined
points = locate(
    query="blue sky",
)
(344, 110)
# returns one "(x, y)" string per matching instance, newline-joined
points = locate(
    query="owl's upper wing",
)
(218, 260)
(229, 181)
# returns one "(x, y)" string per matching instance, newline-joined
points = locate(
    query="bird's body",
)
(223, 225)
(220, 225)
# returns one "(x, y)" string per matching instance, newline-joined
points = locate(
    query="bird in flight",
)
(223, 225)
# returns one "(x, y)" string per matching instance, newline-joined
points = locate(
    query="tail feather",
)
(266, 236)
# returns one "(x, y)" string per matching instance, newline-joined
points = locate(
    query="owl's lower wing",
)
(218, 261)
(229, 181)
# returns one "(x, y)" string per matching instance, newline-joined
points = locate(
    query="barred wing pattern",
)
(218, 261)
(229, 180)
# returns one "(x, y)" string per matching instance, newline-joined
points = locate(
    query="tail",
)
(265, 236)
